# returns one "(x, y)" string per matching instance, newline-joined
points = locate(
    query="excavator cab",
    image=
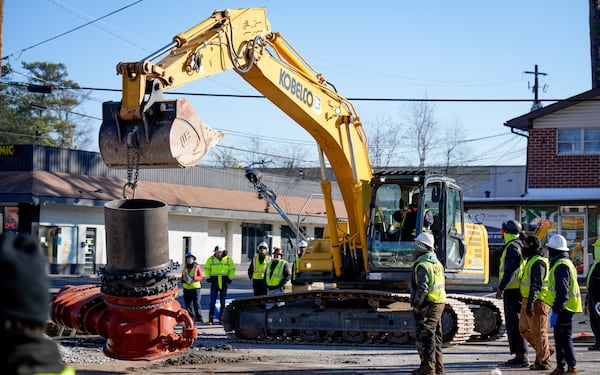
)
(405, 204)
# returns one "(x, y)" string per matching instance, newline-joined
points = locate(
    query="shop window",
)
(59, 244)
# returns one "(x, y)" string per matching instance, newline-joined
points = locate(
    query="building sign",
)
(492, 219)
(7, 150)
(11, 219)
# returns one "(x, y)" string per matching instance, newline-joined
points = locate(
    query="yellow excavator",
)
(367, 254)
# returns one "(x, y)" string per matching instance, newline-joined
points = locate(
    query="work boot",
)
(558, 371)
(541, 366)
(420, 371)
(210, 321)
(572, 370)
(518, 361)
(594, 347)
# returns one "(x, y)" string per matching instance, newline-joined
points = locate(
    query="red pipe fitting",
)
(136, 328)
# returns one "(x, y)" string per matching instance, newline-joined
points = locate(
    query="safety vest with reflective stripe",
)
(258, 268)
(574, 297)
(515, 280)
(220, 268)
(526, 278)
(192, 274)
(274, 278)
(436, 291)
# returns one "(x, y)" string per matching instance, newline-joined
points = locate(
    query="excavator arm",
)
(145, 130)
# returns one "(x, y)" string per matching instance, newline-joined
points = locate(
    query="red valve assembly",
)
(134, 307)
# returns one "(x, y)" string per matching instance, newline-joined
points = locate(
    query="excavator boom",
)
(368, 253)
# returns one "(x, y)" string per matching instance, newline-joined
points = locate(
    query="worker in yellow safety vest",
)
(510, 272)
(191, 276)
(535, 313)
(220, 271)
(25, 309)
(428, 300)
(299, 285)
(257, 269)
(278, 274)
(564, 296)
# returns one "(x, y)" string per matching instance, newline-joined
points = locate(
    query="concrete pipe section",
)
(134, 308)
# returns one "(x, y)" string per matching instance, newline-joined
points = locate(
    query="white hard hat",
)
(424, 242)
(302, 244)
(557, 242)
(263, 244)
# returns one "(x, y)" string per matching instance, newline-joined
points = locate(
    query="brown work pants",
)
(429, 338)
(535, 329)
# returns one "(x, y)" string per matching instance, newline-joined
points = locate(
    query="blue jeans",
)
(191, 299)
(222, 294)
(563, 339)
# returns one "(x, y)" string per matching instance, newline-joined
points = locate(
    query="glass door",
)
(573, 228)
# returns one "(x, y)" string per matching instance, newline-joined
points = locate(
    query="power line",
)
(74, 29)
(246, 96)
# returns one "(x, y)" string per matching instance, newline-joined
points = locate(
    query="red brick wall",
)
(545, 169)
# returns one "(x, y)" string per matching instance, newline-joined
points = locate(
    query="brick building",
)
(562, 184)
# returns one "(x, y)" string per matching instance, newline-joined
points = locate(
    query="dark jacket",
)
(512, 261)
(537, 274)
(418, 291)
(561, 278)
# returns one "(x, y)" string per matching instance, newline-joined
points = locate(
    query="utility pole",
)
(1, 34)
(536, 101)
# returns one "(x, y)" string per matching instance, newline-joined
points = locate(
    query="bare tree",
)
(384, 140)
(256, 152)
(224, 157)
(421, 126)
(454, 146)
(291, 157)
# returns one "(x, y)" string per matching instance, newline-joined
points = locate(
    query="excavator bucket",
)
(170, 134)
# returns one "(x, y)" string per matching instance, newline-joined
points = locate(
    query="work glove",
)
(529, 310)
(553, 319)
(416, 310)
(499, 294)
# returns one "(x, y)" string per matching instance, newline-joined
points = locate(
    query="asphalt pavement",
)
(468, 358)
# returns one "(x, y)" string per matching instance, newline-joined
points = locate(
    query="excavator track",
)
(334, 316)
(488, 314)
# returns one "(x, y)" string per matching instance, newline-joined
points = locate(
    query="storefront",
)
(578, 222)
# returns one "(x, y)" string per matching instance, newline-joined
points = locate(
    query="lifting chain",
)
(133, 163)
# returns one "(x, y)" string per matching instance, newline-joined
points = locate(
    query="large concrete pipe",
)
(135, 306)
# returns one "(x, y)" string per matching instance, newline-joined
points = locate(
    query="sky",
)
(394, 49)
